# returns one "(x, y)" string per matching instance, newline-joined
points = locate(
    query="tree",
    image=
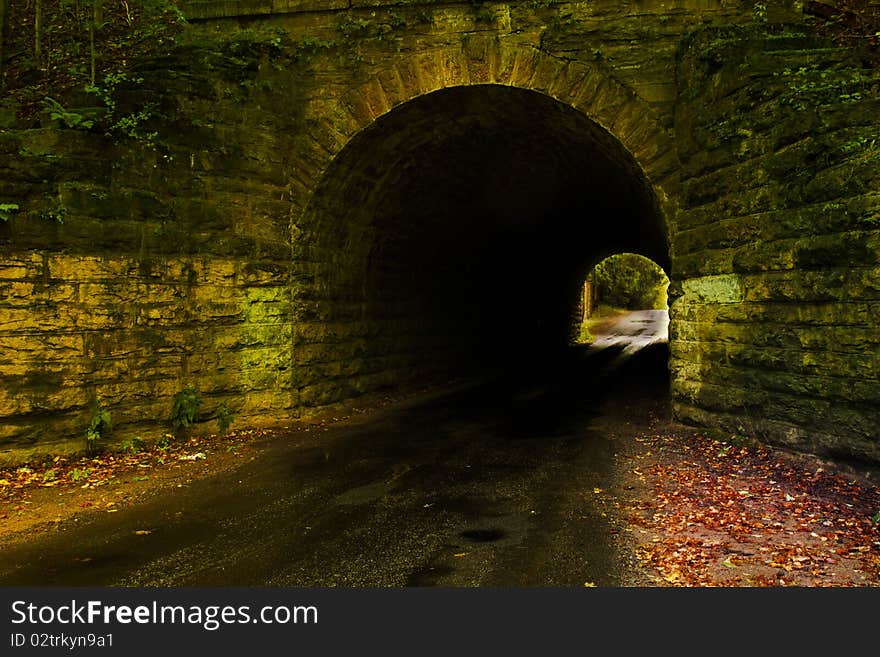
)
(630, 281)
(38, 31)
(93, 25)
(3, 12)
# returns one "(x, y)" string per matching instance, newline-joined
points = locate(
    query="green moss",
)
(723, 288)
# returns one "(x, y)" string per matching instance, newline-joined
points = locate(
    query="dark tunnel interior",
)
(461, 225)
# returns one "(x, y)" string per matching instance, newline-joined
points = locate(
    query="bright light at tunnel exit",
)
(619, 283)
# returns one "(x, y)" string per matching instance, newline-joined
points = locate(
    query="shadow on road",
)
(479, 487)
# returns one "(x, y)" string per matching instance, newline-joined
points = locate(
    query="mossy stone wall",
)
(133, 269)
(777, 254)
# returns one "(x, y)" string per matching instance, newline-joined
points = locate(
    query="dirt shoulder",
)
(38, 497)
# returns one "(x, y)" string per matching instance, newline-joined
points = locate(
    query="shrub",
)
(185, 410)
(224, 418)
(99, 427)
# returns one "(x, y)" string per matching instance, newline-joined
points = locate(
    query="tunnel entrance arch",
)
(453, 230)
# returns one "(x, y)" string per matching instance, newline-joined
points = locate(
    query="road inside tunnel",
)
(488, 485)
(460, 226)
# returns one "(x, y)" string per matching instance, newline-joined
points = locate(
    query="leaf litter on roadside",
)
(67, 472)
(715, 514)
(111, 467)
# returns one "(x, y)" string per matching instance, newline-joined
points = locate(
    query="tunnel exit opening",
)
(618, 285)
(453, 235)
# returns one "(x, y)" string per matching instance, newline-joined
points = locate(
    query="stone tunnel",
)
(346, 196)
(464, 222)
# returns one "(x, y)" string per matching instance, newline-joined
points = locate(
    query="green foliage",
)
(224, 418)
(79, 474)
(73, 42)
(584, 335)
(759, 12)
(185, 409)
(858, 144)
(162, 8)
(130, 125)
(254, 42)
(6, 210)
(355, 31)
(56, 213)
(864, 149)
(354, 28)
(309, 47)
(70, 119)
(810, 86)
(132, 445)
(630, 281)
(396, 22)
(99, 426)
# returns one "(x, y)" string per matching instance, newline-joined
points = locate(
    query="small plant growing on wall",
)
(185, 409)
(68, 118)
(99, 427)
(6, 210)
(224, 418)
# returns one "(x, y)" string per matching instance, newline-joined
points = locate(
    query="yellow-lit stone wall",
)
(84, 331)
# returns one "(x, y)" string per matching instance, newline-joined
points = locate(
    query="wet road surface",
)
(489, 485)
(635, 331)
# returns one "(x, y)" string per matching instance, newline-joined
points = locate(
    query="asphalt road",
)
(635, 331)
(484, 486)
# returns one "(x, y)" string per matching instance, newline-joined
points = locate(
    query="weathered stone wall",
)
(131, 270)
(263, 247)
(775, 331)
